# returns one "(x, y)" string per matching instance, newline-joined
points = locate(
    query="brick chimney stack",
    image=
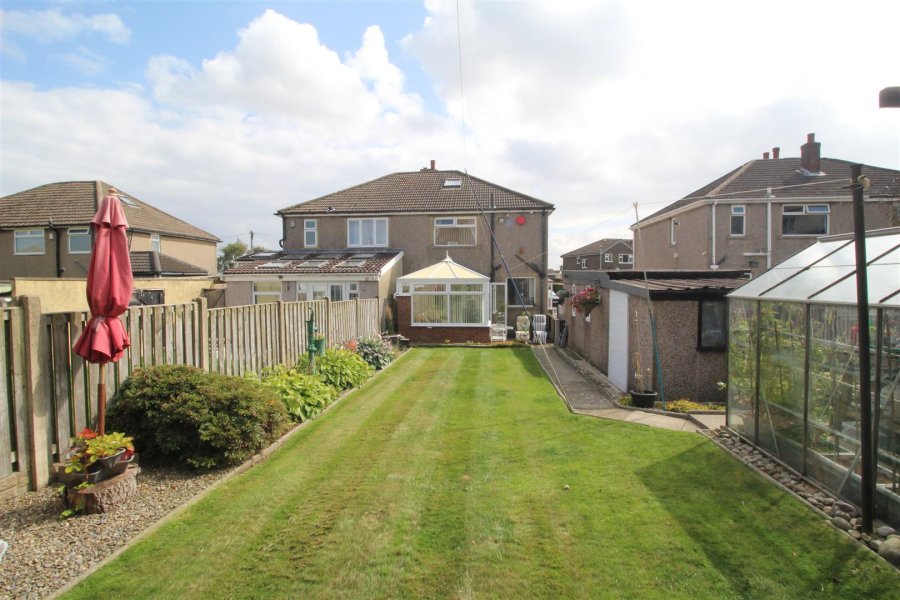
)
(432, 164)
(765, 156)
(810, 155)
(776, 152)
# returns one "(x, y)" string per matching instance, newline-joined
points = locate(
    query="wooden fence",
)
(48, 393)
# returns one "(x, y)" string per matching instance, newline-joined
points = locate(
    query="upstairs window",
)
(584, 263)
(29, 241)
(367, 232)
(738, 220)
(805, 219)
(310, 233)
(460, 231)
(672, 237)
(607, 258)
(154, 243)
(625, 259)
(80, 241)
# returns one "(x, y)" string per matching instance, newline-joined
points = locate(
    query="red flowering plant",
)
(585, 300)
(88, 447)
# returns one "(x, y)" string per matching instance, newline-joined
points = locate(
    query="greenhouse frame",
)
(793, 365)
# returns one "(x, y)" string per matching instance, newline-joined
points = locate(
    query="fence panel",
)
(7, 408)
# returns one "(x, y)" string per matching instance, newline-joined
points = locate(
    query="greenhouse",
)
(793, 365)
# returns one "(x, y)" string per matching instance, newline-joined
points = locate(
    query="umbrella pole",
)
(101, 396)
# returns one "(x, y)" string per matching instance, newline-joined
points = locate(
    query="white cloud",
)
(52, 25)
(84, 61)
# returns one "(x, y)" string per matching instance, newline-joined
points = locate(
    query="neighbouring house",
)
(690, 315)
(607, 254)
(763, 212)
(402, 223)
(46, 232)
(794, 372)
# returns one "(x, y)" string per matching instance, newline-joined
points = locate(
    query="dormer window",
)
(453, 183)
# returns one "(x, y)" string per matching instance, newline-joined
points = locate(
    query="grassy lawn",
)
(443, 478)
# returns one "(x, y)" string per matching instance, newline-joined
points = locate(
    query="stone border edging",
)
(789, 491)
(238, 470)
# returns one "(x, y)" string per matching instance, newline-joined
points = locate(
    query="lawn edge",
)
(242, 468)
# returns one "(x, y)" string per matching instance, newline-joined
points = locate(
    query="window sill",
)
(30, 253)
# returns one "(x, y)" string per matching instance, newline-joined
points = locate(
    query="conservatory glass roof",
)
(445, 270)
(826, 273)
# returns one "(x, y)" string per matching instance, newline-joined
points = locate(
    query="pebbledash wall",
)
(424, 334)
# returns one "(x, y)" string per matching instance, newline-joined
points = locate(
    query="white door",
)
(618, 340)
(498, 303)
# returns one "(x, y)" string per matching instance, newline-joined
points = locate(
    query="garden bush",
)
(375, 350)
(303, 396)
(339, 368)
(202, 419)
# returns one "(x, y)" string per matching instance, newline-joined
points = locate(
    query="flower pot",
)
(645, 399)
(119, 468)
(587, 307)
(108, 462)
(320, 346)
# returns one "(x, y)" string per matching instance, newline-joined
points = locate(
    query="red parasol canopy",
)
(109, 286)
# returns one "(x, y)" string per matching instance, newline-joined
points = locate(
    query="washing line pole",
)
(662, 392)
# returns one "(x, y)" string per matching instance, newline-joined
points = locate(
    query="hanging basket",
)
(587, 307)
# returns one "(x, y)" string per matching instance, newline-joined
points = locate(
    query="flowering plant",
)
(88, 447)
(588, 296)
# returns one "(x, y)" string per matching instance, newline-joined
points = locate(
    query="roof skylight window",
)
(313, 264)
(453, 183)
(352, 263)
(127, 200)
(275, 264)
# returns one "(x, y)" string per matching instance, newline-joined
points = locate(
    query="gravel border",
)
(49, 556)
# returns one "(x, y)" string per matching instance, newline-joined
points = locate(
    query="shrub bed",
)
(375, 350)
(202, 419)
(303, 396)
(339, 368)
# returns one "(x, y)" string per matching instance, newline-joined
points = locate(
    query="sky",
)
(223, 112)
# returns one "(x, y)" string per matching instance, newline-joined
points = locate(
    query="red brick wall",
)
(436, 335)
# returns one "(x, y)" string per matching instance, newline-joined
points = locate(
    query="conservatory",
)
(793, 365)
(445, 302)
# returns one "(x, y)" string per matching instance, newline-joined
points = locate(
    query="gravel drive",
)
(46, 552)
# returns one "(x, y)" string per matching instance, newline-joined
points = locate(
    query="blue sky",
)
(223, 112)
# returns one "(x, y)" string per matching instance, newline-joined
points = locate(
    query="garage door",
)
(618, 340)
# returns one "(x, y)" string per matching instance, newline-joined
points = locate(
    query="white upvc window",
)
(455, 231)
(526, 288)
(626, 259)
(367, 233)
(266, 291)
(448, 304)
(738, 220)
(672, 237)
(155, 245)
(805, 219)
(584, 263)
(310, 233)
(352, 291)
(29, 242)
(607, 258)
(80, 241)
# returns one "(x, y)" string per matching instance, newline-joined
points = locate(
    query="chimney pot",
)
(776, 152)
(432, 164)
(765, 156)
(810, 137)
(810, 155)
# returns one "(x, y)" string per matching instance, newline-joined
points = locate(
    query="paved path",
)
(588, 392)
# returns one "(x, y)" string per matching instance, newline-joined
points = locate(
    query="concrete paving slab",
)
(711, 421)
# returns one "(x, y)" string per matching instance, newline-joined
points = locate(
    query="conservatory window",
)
(805, 219)
(738, 220)
(526, 290)
(367, 232)
(448, 304)
(712, 325)
(455, 231)
(266, 291)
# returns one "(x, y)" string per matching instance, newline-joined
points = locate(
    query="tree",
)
(229, 252)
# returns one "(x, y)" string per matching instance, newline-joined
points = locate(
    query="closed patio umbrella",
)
(109, 287)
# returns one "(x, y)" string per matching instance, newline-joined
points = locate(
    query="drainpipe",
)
(713, 264)
(768, 235)
(59, 269)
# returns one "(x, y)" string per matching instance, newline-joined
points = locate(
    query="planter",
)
(320, 346)
(119, 468)
(108, 462)
(643, 399)
(587, 307)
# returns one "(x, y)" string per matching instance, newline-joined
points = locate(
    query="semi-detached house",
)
(356, 242)
(608, 254)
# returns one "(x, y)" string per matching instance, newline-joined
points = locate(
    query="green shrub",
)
(341, 369)
(375, 350)
(303, 396)
(685, 405)
(203, 419)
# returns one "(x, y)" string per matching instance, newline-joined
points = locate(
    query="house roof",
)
(149, 263)
(825, 272)
(751, 180)
(447, 269)
(75, 202)
(418, 191)
(598, 247)
(300, 262)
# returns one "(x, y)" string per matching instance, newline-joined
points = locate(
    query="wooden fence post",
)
(282, 333)
(201, 342)
(37, 392)
(357, 330)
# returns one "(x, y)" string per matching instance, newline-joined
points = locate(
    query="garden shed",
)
(444, 302)
(793, 365)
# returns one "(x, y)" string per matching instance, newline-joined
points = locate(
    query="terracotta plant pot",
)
(645, 399)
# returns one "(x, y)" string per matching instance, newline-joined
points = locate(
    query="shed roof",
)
(446, 270)
(664, 284)
(825, 273)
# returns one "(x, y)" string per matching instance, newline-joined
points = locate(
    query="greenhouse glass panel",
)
(782, 361)
(742, 368)
(883, 280)
(887, 413)
(808, 282)
(757, 286)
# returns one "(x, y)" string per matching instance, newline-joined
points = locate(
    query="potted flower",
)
(586, 300)
(99, 457)
(642, 397)
(319, 341)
